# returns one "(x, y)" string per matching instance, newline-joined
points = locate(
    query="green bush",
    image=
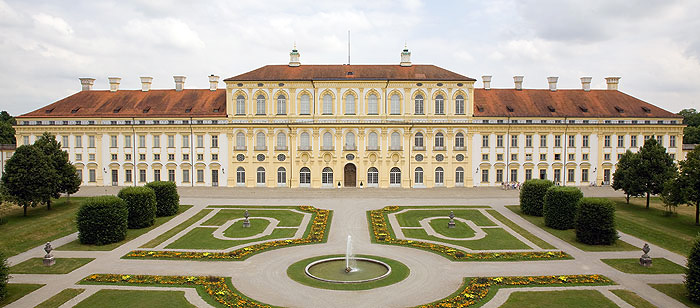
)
(595, 222)
(167, 199)
(4, 276)
(532, 196)
(141, 204)
(560, 206)
(692, 277)
(102, 220)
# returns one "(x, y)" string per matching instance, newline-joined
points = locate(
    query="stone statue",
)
(645, 260)
(246, 221)
(451, 224)
(48, 258)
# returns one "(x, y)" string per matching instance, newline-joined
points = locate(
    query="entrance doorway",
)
(350, 175)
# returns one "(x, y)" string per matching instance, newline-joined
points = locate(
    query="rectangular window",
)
(585, 141)
(633, 141)
(584, 176)
(91, 141)
(214, 141)
(660, 140)
(557, 175)
(171, 175)
(200, 157)
(214, 156)
(485, 141)
(673, 156)
(570, 175)
(142, 156)
(514, 140)
(528, 174)
(557, 156)
(543, 174)
(485, 175)
(113, 141)
(91, 157)
(142, 175)
(142, 141)
(499, 141)
(200, 176)
(171, 156)
(185, 141)
(156, 141)
(528, 157)
(200, 141)
(572, 157)
(572, 141)
(543, 141)
(185, 175)
(620, 141)
(543, 157)
(557, 141)
(78, 141)
(606, 141)
(584, 157)
(156, 156)
(185, 157)
(156, 174)
(671, 141)
(619, 156)
(171, 141)
(127, 141)
(499, 157)
(528, 141)
(91, 176)
(25, 140)
(513, 175)
(499, 175)
(485, 157)
(606, 156)
(64, 141)
(114, 156)
(127, 175)
(513, 157)
(127, 157)
(647, 137)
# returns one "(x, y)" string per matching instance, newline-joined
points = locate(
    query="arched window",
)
(439, 140)
(459, 104)
(305, 144)
(350, 104)
(419, 104)
(240, 105)
(419, 175)
(281, 141)
(305, 107)
(240, 175)
(395, 176)
(395, 104)
(373, 141)
(459, 140)
(260, 141)
(260, 178)
(418, 140)
(372, 107)
(395, 141)
(327, 141)
(305, 176)
(439, 105)
(327, 104)
(372, 175)
(350, 141)
(459, 176)
(281, 175)
(439, 176)
(261, 105)
(281, 105)
(327, 176)
(240, 141)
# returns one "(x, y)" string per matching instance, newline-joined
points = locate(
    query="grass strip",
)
(520, 230)
(558, 299)
(177, 229)
(631, 266)
(135, 298)
(16, 291)
(60, 298)
(676, 291)
(62, 266)
(632, 298)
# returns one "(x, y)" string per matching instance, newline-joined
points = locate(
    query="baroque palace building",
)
(400, 125)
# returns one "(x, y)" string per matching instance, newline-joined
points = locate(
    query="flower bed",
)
(477, 290)
(384, 235)
(317, 233)
(216, 287)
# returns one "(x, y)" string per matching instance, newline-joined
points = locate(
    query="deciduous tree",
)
(25, 177)
(623, 179)
(654, 168)
(690, 179)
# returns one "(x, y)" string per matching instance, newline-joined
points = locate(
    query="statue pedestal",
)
(451, 224)
(246, 223)
(49, 261)
(645, 261)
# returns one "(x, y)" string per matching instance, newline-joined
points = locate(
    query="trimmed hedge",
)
(167, 199)
(595, 222)
(141, 204)
(692, 277)
(4, 276)
(532, 196)
(102, 220)
(560, 206)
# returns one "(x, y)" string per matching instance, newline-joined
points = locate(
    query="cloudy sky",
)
(46, 45)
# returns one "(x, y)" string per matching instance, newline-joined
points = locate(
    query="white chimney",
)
(612, 82)
(114, 83)
(405, 57)
(294, 57)
(179, 82)
(586, 83)
(552, 83)
(213, 82)
(146, 83)
(518, 82)
(87, 83)
(487, 81)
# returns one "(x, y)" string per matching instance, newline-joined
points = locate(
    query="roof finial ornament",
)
(405, 56)
(294, 56)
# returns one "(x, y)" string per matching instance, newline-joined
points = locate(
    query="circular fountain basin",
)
(333, 270)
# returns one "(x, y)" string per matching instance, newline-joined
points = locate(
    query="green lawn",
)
(557, 299)
(632, 298)
(135, 298)
(631, 266)
(16, 291)
(62, 266)
(461, 230)
(172, 232)
(287, 218)
(672, 232)
(677, 292)
(236, 230)
(570, 235)
(60, 298)
(411, 217)
(202, 238)
(520, 230)
(21, 233)
(496, 239)
(130, 235)
(399, 272)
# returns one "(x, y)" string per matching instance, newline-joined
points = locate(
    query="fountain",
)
(348, 268)
(350, 264)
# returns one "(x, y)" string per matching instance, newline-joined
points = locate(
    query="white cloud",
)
(54, 23)
(168, 32)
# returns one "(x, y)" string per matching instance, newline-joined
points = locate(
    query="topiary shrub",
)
(692, 276)
(559, 208)
(167, 199)
(102, 220)
(595, 222)
(141, 204)
(532, 196)
(4, 276)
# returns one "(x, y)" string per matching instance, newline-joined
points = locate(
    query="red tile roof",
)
(136, 103)
(563, 103)
(341, 72)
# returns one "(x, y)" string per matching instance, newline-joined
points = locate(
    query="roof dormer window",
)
(647, 110)
(620, 110)
(551, 108)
